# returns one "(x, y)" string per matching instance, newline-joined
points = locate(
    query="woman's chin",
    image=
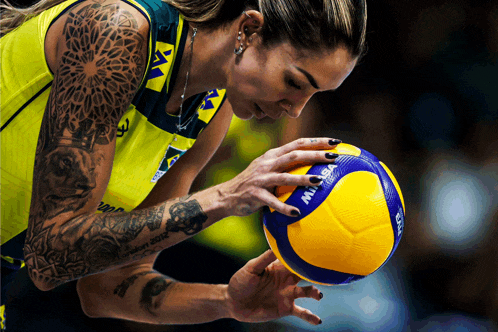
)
(243, 115)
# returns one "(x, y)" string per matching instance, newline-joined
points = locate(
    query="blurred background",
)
(424, 100)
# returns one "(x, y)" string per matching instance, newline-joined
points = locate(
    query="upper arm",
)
(100, 63)
(178, 180)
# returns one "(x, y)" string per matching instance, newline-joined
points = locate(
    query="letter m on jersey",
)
(163, 58)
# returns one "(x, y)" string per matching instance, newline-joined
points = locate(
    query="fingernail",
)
(320, 322)
(295, 213)
(329, 155)
(315, 179)
(335, 141)
(321, 295)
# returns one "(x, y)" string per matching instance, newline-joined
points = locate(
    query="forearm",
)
(150, 297)
(93, 243)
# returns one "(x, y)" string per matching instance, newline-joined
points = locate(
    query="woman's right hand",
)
(254, 187)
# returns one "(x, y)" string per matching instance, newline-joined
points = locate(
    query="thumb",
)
(258, 265)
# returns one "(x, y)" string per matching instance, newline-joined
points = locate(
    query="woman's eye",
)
(293, 84)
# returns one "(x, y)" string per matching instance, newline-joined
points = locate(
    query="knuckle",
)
(301, 141)
(293, 155)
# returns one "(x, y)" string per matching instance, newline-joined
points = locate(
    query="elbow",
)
(43, 283)
(89, 294)
(43, 280)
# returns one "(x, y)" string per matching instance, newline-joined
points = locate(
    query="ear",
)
(249, 26)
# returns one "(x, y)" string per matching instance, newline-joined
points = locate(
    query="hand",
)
(253, 188)
(264, 290)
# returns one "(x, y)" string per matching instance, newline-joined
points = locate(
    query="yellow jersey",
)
(147, 143)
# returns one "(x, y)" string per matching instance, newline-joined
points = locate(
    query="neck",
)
(210, 58)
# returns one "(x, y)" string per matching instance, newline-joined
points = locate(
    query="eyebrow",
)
(310, 78)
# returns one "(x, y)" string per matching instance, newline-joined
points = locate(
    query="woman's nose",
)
(294, 109)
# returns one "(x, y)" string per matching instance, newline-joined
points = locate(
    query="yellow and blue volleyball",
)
(350, 225)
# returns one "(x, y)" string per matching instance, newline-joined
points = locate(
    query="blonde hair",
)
(12, 17)
(311, 24)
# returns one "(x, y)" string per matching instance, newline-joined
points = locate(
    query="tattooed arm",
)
(144, 295)
(99, 63)
(102, 56)
(260, 291)
(101, 59)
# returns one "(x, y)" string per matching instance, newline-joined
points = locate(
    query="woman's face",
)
(280, 80)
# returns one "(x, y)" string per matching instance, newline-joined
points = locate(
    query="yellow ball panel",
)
(354, 205)
(273, 245)
(372, 247)
(323, 244)
(358, 201)
(393, 179)
(348, 149)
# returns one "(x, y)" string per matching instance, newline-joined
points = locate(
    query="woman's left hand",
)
(264, 290)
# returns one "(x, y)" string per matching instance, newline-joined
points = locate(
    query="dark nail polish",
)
(315, 179)
(329, 155)
(321, 295)
(335, 141)
(320, 322)
(295, 213)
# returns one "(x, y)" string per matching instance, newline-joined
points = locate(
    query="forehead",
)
(329, 68)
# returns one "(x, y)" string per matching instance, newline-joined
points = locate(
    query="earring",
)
(246, 14)
(239, 50)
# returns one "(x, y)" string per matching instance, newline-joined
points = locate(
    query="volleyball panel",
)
(302, 268)
(329, 236)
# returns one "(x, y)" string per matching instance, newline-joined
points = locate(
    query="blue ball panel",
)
(394, 206)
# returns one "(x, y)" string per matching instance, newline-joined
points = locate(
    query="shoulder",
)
(96, 18)
(110, 13)
(97, 26)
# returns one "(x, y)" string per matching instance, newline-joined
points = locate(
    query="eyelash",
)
(293, 84)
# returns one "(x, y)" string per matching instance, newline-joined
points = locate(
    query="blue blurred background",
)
(424, 100)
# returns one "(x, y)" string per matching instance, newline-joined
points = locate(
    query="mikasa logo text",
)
(310, 191)
(400, 220)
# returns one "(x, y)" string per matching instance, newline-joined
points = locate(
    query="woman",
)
(104, 96)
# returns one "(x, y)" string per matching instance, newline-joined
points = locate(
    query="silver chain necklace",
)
(179, 125)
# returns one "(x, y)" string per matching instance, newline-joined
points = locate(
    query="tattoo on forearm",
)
(187, 217)
(151, 290)
(98, 75)
(121, 289)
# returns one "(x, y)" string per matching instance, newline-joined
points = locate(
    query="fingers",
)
(307, 143)
(286, 179)
(299, 157)
(306, 315)
(271, 201)
(308, 291)
(258, 265)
